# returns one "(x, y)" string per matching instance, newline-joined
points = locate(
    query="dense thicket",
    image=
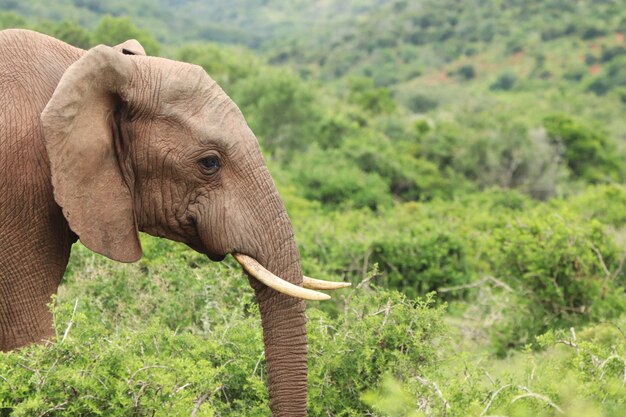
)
(461, 163)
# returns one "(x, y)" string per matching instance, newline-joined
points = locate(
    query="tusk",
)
(251, 266)
(318, 284)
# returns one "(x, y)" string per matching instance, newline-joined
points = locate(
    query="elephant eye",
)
(210, 164)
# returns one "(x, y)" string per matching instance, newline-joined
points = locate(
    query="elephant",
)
(99, 145)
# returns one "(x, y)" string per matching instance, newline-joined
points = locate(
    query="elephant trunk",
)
(284, 323)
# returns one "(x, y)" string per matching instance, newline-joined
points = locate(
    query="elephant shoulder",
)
(31, 65)
(31, 52)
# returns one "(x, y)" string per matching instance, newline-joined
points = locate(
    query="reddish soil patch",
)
(518, 56)
(438, 78)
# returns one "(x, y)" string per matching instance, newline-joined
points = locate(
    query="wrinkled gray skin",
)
(99, 145)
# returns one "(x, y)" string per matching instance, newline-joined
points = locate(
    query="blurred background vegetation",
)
(462, 163)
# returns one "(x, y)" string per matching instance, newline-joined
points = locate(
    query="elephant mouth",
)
(254, 269)
(215, 257)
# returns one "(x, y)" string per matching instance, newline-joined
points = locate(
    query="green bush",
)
(226, 65)
(107, 363)
(410, 177)
(280, 109)
(69, 32)
(560, 270)
(418, 261)
(376, 100)
(381, 334)
(589, 153)
(579, 373)
(115, 30)
(422, 103)
(505, 81)
(465, 72)
(604, 203)
(495, 150)
(10, 20)
(612, 77)
(335, 181)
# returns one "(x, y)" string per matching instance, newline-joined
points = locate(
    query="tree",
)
(281, 109)
(69, 32)
(115, 30)
(363, 92)
(10, 20)
(589, 153)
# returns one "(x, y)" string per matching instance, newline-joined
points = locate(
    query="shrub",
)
(466, 72)
(612, 77)
(150, 369)
(419, 261)
(604, 203)
(410, 177)
(505, 81)
(523, 384)
(561, 271)
(422, 103)
(280, 109)
(227, 65)
(589, 153)
(334, 180)
(380, 334)
(115, 30)
(376, 100)
(496, 151)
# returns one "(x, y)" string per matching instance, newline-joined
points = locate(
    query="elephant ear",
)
(130, 47)
(81, 136)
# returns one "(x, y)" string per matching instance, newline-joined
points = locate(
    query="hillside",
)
(249, 22)
(400, 39)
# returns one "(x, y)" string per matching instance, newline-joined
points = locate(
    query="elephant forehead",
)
(187, 82)
(198, 99)
(187, 98)
(162, 83)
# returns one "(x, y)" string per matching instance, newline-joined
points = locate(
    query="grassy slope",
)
(246, 22)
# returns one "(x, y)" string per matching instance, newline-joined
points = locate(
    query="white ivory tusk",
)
(318, 284)
(266, 277)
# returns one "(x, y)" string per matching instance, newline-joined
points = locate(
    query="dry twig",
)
(543, 398)
(69, 325)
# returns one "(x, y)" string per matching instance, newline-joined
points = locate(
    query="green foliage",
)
(126, 355)
(505, 81)
(69, 32)
(423, 260)
(613, 77)
(379, 334)
(465, 72)
(421, 103)
(115, 30)
(589, 153)
(11, 20)
(280, 109)
(561, 270)
(362, 92)
(391, 399)
(226, 65)
(522, 385)
(152, 370)
(327, 176)
(495, 150)
(604, 203)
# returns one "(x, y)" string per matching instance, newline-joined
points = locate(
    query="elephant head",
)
(147, 144)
